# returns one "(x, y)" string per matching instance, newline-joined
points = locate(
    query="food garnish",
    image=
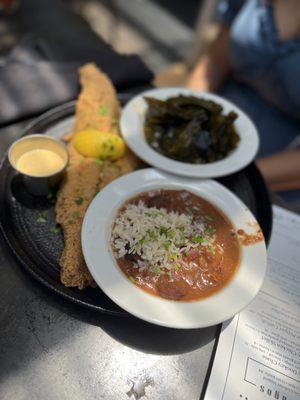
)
(42, 217)
(79, 200)
(54, 229)
(165, 242)
(190, 129)
(75, 214)
(102, 110)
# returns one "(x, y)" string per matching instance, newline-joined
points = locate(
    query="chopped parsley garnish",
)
(79, 200)
(198, 239)
(75, 214)
(152, 235)
(98, 162)
(157, 270)
(54, 229)
(102, 110)
(42, 218)
(143, 240)
(176, 267)
(210, 230)
(166, 245)
(163, 230)
(170, 234)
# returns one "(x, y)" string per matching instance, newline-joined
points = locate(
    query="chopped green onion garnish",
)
(98, 162)
(42, 217)
(170, 234)
(142, 241)
(210, 230)
(163, 230)
(157, 270)
(152, 235)
(102, 110)
(41, 220)
(166, 245)
(176, 267)
(79, 200)
(54, 230)
(197, 239)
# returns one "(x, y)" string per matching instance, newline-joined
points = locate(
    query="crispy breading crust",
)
(97, 108)
(77, 191)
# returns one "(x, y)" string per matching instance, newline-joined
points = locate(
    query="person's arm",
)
(213, 67)
(281, 170)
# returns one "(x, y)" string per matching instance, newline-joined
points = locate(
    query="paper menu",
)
(258, 354)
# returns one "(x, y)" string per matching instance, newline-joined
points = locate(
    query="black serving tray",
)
(38, 249)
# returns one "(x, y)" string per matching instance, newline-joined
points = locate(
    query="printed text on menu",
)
(258, 354)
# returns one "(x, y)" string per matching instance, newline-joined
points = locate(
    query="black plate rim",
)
(259, 188)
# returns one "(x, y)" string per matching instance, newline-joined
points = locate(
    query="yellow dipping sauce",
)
(40, 162)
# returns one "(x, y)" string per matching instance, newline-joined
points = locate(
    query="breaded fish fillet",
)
(97, 108)
(78, 189)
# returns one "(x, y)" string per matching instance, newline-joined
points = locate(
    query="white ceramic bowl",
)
(196, 314)
(132, 128)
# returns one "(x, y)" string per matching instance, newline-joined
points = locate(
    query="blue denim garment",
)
(251, 86)
(227, 10)
(265, 79)
(257, 55)
(263, 61)
(276, 130)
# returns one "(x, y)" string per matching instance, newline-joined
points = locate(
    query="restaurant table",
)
(51, 349)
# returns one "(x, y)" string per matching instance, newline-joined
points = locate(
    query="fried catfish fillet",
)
(97, 108)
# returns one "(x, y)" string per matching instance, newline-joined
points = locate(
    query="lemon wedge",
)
(97, 144)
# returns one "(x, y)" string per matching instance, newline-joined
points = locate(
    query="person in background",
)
(255, 62)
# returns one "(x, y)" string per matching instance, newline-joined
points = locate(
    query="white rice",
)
(159, 237)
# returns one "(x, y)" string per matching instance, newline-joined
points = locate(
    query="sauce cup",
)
(37, 182)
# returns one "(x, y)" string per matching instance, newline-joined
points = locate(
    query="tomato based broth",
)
(175, 245)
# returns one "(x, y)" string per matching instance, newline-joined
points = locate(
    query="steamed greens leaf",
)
(190, 129)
